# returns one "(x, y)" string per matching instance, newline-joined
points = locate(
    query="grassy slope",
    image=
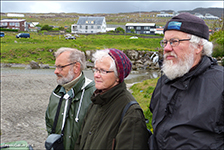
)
(142, 93)
(40, 48)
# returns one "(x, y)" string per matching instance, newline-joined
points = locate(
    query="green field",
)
(40, 47)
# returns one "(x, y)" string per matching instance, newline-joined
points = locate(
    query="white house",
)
(89, 25)
(110, 29)
(33, 24)
(209, 16)
(159, 30)
(15, 15)
(199, 15)
(163, 14)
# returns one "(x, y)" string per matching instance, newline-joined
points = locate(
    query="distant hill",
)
(112, 20)
(214, 11)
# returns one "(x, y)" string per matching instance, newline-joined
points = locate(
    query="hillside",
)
(66, 19)
(214, 11)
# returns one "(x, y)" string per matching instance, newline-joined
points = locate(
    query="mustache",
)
(58, 75)
(170, 54)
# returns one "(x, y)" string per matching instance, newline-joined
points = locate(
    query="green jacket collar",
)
(82, 83)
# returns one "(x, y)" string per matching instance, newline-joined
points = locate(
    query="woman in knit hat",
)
(102, 127)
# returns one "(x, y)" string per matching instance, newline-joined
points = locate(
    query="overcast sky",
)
(92, 7)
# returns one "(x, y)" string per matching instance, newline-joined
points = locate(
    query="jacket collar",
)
(110, 95)
(69, 85)
(182, 83)
(82, 83)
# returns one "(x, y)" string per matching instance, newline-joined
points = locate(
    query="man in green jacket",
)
(73, 84)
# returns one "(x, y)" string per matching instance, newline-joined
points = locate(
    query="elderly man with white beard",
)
(188, 101)
(70, 99)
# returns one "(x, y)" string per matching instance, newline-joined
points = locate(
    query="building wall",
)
(141, 29)
(14, 24)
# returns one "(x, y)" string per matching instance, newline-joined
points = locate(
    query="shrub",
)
(218, 50)
(218, 41)
(119, 30)
(46, 27)
(12, 30)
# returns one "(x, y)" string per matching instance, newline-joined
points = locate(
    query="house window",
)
(130, 27)
(146, 32)
(11, 24)
(91, 31)
(17, 24)
(146, 28)
(98, 27)
(91, 27)
(89, 22)
(138, 28)
(4, 23)
(80, 27)
(86, 27)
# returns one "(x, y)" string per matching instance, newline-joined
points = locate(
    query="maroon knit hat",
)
(188, 23)
(122, 62)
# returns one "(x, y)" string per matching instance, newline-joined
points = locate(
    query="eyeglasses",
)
(60, 68)
(101, 71)
(173, 42)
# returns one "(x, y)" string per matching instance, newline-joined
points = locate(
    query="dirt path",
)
(24, 100)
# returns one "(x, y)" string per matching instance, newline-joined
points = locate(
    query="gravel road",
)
(24, 100)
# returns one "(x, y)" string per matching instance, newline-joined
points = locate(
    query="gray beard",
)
(173, 71)
(67, 79)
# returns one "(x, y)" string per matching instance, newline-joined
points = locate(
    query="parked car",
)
(70, 37)
(2, 34)
(23, 35)
(134, 37)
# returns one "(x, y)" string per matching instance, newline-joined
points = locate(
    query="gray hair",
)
(75, 55)
(100, 54)
(207, 46)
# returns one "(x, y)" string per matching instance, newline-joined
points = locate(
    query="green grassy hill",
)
(40, 47)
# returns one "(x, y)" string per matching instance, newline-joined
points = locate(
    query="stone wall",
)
(141, 60)
(146, 60)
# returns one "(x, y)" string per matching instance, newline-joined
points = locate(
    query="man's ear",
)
(199, 48)
(77, 67)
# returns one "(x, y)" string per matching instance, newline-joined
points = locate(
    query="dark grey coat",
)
(188, 112)
(101, 124)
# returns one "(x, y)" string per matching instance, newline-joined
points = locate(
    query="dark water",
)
(134, 76)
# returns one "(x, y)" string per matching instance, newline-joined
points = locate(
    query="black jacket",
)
(188, 112)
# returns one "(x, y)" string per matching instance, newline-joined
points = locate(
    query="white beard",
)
(173, 71)
(63, 80)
